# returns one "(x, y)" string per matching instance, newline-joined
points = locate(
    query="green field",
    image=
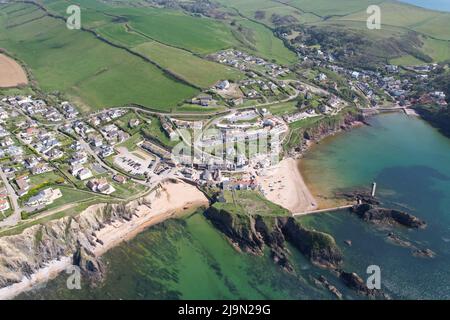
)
(89, 71)
(325, 8)
(199, 35)
(259, 40)
(187, 66)
(283, 108)
(428, 22)
(118, 33)
(407, 60)
(248, 8)
(249, 202)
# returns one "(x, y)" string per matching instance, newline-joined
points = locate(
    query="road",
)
(15, 217)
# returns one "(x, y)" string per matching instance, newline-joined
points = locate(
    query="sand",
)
(168, 201)
(284, 185)
(11, 73)
(39, 278)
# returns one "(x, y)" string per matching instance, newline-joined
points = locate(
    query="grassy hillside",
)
(432, 23)
(193, 69)
(325, 8)
(200, 35)
(258, 39)
(90, 71)
(263, 11)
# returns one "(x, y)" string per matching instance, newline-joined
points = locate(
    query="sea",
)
(189, 259)
(440, 5)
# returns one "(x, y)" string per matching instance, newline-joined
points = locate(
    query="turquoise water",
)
(189, 259)
(410, 161)
(441, 5)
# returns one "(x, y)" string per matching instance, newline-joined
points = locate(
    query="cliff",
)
(23, 254)
(437, 117)
(82, 238)
(252, 233)
(328, 126)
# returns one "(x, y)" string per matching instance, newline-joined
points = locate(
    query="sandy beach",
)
(170, 200)
(167, 201)
(39, 278)
(284, 185)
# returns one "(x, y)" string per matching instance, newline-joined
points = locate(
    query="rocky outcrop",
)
(424, 253)
(323, 282)
(23, 254)
(359, 196)
(353, 281)
(91, 266)
(240, 230)
(319, 247)
(383, 216)
(252, 233)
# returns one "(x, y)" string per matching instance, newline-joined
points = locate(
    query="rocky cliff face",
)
(252, 233)
(325, 128)
(23, 254)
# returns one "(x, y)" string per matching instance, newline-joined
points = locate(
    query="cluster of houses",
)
(376, 85)
(113, 135)
(435, 97)
(45, 142)
(246, 62)
(106, 116)
(255, 88)
(35, 108)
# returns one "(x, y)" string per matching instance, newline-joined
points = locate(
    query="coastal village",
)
(52, 154)
(200, 110)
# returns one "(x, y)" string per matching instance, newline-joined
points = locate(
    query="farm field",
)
(106, 76)
(438, 49)
(407, 60)
(12, 73)
(432, 23)
(325, 8)
(118, 33)
(195, 70)
(199, 35)
(268, 7)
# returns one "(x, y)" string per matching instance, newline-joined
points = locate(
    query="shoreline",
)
(322, 201)
(170, 200)
(284, 185)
